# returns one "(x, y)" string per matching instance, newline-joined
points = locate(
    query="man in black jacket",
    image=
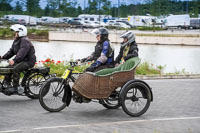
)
(128, 48)
(25, 55)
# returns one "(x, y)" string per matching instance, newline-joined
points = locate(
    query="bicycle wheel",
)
(34, 84)
(135, 99)
(51, 95)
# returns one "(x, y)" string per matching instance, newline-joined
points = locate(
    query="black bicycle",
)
(31, 81)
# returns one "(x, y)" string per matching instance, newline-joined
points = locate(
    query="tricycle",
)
(111, 87)
(31, 82)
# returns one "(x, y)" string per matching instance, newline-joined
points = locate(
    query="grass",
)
(6, 33)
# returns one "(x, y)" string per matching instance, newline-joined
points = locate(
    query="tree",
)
(92, 7)
(32, 6)
(5, 5)
(18, 7)
(106, 7)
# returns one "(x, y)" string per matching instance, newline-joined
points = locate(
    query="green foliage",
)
(146, 69)
(5, 33)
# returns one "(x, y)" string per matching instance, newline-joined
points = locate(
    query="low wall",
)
(87, 37)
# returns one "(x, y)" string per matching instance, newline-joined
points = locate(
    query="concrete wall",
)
(87, 37)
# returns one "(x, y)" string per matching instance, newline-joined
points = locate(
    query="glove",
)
(96, 64)
(90, 69)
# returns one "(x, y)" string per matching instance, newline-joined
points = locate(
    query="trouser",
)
(17, 69)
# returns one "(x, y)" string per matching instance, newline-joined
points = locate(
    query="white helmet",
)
(19, 28)
(129, 35)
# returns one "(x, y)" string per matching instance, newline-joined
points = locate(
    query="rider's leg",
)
(18, 68)
(7, 80)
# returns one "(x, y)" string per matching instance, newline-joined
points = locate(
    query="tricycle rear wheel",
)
(135, 99)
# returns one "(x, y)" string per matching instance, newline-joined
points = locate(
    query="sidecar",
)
(134, 94)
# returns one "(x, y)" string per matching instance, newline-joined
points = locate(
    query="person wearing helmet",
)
(128, 48)
(24, 53)
(103, 55)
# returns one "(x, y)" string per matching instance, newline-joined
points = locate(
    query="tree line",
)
(60, 8)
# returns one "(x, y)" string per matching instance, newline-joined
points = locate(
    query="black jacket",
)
(24, 51)
(133, 52)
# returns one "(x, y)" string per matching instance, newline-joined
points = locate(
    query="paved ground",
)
(175, 109)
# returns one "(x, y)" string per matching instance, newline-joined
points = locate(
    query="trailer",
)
(195, 23)
(136, 21)
(22, 19)
(178, 21)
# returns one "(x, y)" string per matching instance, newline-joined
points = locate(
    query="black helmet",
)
(101, 31)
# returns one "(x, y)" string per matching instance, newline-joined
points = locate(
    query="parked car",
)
(98, 24)
(121, 25)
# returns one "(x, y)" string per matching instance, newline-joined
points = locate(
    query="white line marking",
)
(104, 123)
(119, 122)
(10, 131)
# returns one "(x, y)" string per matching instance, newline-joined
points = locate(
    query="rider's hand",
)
(90, 69)
(0, 57)
(11, 62)
(96, 64)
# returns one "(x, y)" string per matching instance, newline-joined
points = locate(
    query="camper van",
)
(136, 21)
(22, 19)
(93, 18)
(178, 21)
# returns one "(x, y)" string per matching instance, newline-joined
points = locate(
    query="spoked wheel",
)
(135, 99)
(51, 95)
(112, 102)
(34, 84)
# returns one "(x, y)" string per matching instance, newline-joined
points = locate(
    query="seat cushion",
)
(127, 66)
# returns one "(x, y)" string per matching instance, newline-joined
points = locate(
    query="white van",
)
(178, 21)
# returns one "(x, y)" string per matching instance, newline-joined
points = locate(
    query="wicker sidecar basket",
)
(101, 84)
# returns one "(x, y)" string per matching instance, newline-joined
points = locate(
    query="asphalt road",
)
(175, 109)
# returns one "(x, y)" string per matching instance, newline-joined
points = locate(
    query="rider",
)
(128, 48)
(103, 54)
(25, 55)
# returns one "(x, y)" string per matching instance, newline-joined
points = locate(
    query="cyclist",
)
(128, 48)
(24, 58)
(103, 56)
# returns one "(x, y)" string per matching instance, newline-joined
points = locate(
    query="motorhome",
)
(94, 18)
(178, 21)
(22, 19)
(136, 21)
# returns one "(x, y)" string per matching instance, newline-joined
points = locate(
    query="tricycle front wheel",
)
(52, 95)
(135, 99)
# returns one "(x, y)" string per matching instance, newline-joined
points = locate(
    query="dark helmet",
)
(101, 31)
(129, 35)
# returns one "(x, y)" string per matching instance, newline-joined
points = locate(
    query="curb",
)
(150, 77)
